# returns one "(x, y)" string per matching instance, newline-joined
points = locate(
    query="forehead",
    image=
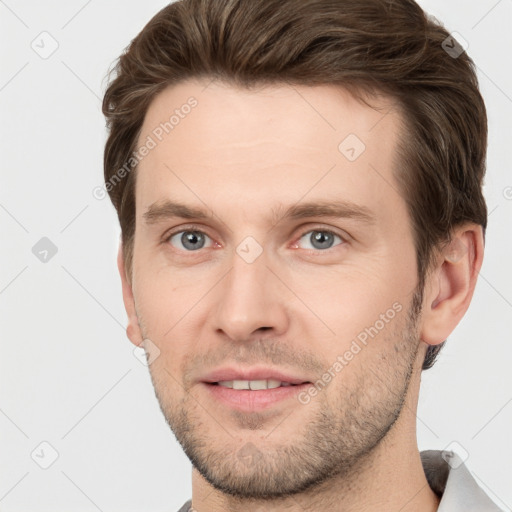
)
(216, 144)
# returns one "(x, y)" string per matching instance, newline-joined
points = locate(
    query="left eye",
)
(191, 240)
(320, 239)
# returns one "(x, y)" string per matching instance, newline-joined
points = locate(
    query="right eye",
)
(190, 240)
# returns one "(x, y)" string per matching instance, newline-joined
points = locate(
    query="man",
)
(299, 191)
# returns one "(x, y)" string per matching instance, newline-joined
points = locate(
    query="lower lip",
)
(247, 400)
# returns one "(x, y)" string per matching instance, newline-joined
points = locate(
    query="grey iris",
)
(189, 239)
(322, 238)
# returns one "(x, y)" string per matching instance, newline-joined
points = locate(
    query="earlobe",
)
(133, 330)
(452, 284)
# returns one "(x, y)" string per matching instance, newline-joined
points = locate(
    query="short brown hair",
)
(386, 46)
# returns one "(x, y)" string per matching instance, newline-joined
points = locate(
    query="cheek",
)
(169, 303)
(351, 295)
(161, 307)
(362, 307)
(157, 298)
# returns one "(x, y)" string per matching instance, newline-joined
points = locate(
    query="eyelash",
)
(167, 237)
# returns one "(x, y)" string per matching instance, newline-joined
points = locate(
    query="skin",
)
(298, 306)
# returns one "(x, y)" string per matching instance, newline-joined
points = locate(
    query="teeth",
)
(253, 384)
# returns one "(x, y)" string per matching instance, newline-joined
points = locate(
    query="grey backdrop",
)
(68, 375)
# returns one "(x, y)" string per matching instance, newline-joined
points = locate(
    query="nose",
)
(251, 300)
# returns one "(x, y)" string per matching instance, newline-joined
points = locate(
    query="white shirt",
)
(450, 479)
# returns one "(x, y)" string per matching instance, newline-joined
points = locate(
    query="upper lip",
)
(255, 373)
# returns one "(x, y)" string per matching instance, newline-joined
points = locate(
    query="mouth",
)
(255, 395)
(254, 385)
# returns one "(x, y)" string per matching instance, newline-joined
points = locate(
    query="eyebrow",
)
(161, 211)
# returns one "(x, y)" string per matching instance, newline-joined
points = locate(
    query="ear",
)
(133, 330)
(450, 286)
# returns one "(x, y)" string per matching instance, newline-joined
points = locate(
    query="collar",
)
(450, 479)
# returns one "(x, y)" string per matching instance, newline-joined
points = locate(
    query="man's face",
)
(320, 298)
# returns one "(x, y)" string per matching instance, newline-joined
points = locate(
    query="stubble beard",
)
(336, 442)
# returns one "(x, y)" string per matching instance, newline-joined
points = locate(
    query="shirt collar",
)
(450, 479)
